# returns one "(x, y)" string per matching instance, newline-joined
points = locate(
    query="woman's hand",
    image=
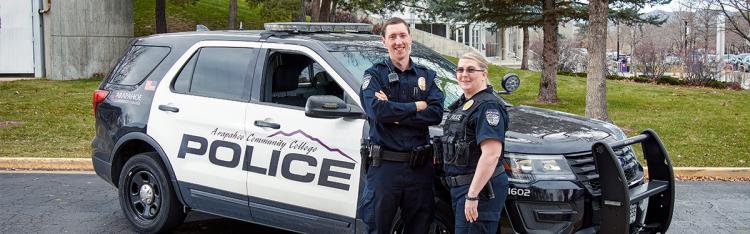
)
(470, 210)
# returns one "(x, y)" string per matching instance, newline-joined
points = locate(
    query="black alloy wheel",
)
(145, 194)
(147, 197)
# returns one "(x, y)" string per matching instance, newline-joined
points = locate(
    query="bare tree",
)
(737, 13)
(651, 59)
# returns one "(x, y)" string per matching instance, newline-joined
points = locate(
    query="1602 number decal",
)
(519, 192)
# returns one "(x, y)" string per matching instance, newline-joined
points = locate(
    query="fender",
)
(146, 138)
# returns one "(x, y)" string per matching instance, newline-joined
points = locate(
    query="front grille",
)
(583, 166)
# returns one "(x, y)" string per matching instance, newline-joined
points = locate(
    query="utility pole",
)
(720, 43)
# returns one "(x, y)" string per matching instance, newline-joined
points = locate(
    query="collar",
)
(488, 89)
(411, 66)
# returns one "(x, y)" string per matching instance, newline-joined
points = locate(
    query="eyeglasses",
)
(469, 70)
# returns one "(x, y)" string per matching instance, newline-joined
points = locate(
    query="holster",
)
(437, 152)
(487, 191)
(364, 151)
(419, 155)
(376, 155)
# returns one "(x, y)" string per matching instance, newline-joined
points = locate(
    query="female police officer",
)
(472, 147)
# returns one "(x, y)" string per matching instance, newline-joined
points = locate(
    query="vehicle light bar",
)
(318, 27)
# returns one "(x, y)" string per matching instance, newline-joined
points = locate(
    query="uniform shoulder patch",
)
(492, 116)
(366, 81)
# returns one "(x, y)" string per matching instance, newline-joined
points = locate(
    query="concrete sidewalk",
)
(84, 164)
(15, 78)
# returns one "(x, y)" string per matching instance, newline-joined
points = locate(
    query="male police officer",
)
(401, 100)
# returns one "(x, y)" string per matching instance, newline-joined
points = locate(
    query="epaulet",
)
(419, 66)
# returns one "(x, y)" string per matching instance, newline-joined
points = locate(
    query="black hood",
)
(534, 130)
(540, 131)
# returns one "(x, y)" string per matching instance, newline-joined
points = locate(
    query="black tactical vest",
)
(458, 143)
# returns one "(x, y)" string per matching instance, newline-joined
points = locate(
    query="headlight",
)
(526, 168)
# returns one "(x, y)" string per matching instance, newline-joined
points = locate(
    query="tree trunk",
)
(596, 86)
(232, 14)
(315, 11)
(548, 83)
(161, 16)
(525, 57)
(334, 5)
(325, 11)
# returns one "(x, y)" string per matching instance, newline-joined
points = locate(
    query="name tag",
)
(455, 117)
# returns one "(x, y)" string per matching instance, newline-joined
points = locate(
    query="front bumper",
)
(609, 202)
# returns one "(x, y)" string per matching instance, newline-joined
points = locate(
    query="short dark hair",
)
(392, 21)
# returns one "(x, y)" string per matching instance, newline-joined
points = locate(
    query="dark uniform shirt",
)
(483, 128)
(396, 124)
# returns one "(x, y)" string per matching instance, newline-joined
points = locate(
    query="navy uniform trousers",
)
(489, 209)
(392, 185)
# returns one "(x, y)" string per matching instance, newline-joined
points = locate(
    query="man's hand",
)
(381, 96)
(421, 105)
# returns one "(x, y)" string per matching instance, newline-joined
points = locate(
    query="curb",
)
(84, 164)
(721, 173)
(46, 164)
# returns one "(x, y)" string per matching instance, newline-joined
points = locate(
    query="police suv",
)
(266, 127)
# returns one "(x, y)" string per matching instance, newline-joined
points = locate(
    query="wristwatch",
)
(469, 198)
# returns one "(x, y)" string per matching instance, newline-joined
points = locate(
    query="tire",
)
(147, 198)
(442, 221)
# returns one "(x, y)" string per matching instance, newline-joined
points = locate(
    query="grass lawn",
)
(700, 126)
(183, 17)
(43, 118)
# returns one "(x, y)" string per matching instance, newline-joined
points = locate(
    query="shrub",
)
(570, 73)
(641, 79)
(669, 80)
(716, 84)
(616, 77)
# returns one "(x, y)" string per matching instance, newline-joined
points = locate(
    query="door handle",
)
(264, 124)
(169, 108)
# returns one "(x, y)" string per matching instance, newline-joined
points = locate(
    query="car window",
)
(357, 61)
(137, 64)
(293, 78)
(219, 72)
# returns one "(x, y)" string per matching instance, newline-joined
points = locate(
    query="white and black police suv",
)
(266, 127)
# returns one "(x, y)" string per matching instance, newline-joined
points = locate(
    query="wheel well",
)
(127, 151)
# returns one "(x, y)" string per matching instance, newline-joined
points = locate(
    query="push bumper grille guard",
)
(616, 198)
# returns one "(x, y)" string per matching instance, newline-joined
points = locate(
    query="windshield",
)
(360, 60)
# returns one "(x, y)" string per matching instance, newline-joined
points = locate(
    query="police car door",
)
(309, 163)
(198, 118)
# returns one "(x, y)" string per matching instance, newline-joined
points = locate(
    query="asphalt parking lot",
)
(83, 203)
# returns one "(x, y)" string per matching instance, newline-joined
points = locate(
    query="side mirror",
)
(330, 107)
(511, 82)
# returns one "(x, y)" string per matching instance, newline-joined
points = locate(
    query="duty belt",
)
(453, 181)
(395, 156)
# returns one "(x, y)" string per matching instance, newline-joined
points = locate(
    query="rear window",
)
(137, 64)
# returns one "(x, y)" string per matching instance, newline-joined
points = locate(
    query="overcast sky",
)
(672, 6)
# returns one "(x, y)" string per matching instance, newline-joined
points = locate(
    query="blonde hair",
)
(480, 60)
(476, 58)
